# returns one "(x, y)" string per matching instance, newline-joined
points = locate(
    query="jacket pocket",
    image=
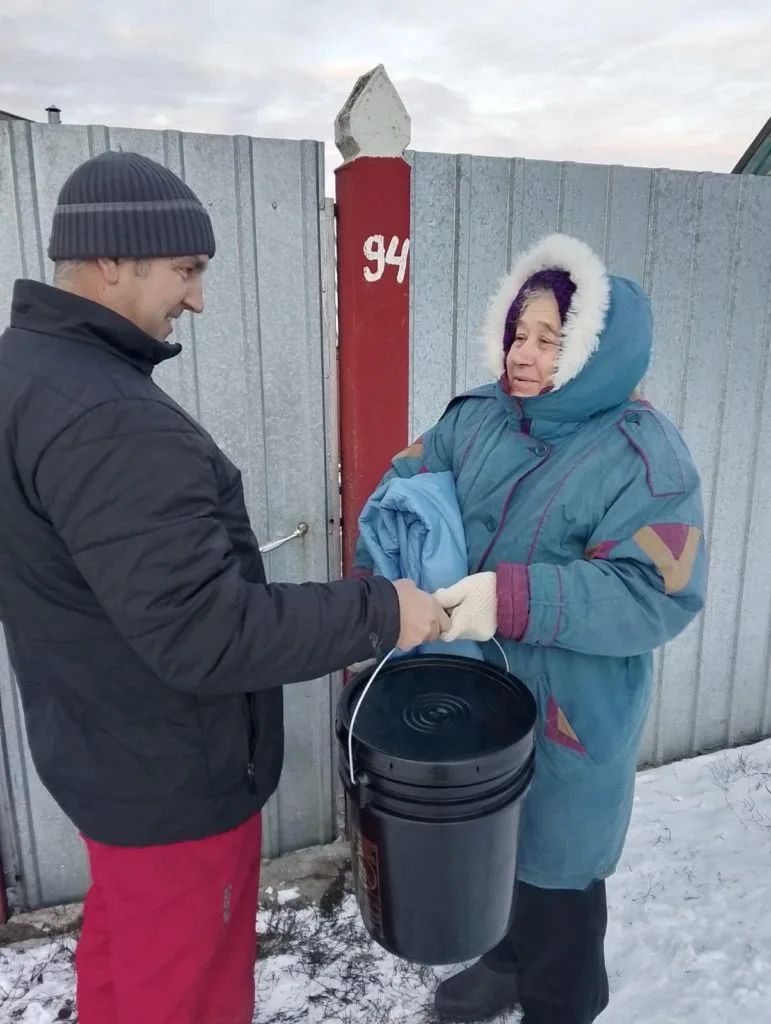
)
(556, 740)
(590, 727)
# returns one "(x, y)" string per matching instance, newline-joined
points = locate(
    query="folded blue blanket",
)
(412, 529)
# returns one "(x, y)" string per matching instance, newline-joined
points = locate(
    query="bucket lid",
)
(439, 720)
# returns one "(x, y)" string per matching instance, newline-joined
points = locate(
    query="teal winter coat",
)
(586, 503)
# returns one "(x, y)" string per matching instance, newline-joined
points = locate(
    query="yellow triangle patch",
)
(564, 726)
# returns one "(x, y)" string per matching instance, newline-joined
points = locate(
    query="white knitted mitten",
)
(472, 605)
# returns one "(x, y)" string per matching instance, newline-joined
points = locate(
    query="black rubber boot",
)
(476, 994)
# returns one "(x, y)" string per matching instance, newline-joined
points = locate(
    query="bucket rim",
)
(466, 770)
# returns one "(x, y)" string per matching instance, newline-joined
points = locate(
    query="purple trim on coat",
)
(601, 550)
(644, 456)
(360, 573)
(557, 728)
(582, 458)
(505, 510)
(560, 604)
(470, 444)
(513, 600)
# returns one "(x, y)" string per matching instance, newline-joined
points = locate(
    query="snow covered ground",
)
(689, 937)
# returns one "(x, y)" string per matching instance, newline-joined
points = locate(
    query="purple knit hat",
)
(557, 281)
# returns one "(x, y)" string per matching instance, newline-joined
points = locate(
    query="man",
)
(149, 650)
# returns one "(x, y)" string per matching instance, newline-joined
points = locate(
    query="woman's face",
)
(532, 357)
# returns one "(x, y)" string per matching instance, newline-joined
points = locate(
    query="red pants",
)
(169, 932)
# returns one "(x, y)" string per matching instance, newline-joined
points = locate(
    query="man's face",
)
(153, 293)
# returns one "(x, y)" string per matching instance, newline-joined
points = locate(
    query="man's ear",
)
(110, 270)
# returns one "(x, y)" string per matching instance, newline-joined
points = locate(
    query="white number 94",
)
(375, 251)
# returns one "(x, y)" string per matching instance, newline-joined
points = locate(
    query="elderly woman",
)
(583, 521)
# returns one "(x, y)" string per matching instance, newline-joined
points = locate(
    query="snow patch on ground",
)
(689, 938)
(287, 896)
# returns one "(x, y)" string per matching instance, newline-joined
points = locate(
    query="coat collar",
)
(46, 310)
(524, 414)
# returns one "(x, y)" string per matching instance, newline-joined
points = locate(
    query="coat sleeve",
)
(132, 490)
(643, 577)
(431, 453)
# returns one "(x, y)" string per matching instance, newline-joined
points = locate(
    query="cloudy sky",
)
(676, 83)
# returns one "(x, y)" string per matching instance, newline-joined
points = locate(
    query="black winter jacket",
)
(149, 651)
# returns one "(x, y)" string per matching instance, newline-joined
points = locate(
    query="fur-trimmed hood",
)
(607, 337)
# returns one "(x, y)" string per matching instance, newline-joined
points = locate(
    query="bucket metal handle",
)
(503, 655)
(365, 691)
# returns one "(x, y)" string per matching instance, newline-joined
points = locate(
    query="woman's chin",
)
(518, 389)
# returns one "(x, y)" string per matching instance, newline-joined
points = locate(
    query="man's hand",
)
(473, 607)
(422, 618)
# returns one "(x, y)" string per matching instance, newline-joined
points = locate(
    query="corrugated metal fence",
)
(700, 244)
(255, 371)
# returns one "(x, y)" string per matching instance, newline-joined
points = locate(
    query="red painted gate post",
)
(373, 241)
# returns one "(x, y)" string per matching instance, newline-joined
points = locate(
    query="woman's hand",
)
(473, 608)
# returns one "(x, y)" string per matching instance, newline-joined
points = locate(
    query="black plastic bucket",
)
(443, 755)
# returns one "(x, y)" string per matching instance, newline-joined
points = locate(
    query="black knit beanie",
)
(126, 206)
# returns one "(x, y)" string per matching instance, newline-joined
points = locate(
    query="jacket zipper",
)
(249, 727)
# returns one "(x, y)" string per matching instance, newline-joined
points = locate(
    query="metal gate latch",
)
(302, 529)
